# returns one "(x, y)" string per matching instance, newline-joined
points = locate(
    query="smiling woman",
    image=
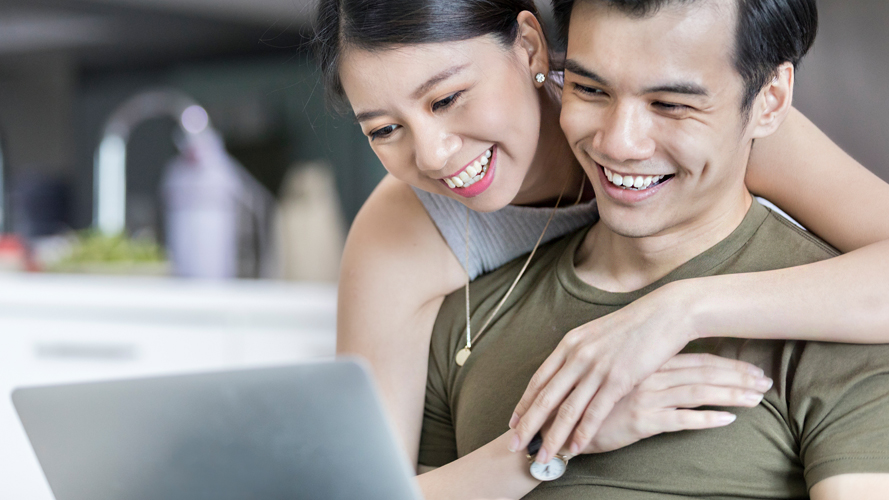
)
(430, 125)
(437, 85)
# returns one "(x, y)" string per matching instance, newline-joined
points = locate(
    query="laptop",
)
(310, 431)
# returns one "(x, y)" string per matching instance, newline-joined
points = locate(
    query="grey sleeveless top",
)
(496, 238)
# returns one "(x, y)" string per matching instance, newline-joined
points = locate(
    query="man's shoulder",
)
(777, 243)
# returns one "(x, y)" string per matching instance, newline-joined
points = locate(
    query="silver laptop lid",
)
(313, 431)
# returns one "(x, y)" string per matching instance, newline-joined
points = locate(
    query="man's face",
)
(654, 104)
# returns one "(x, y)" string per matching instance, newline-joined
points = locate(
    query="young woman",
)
(438, 85)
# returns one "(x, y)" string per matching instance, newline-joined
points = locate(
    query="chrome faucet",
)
(110, 161)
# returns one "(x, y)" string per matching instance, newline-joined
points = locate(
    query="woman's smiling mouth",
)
(471, 173)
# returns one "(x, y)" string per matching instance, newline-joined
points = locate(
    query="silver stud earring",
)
(540, 77)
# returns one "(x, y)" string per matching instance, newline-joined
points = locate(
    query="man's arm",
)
(857, 486)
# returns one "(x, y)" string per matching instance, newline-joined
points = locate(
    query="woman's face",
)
(461, 119)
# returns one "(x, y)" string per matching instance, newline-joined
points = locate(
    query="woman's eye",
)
(382, 133)
(446, 102)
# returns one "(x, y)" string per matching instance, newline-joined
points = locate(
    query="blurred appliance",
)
(217, 217)
(311, 224)
(2, 186)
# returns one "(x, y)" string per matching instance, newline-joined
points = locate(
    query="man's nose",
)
(434, 148)
(625, 135)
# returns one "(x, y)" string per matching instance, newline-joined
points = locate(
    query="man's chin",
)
(621, 226)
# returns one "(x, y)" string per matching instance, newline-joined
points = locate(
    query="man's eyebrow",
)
(686, 88)
(435, 80)
(576, 68)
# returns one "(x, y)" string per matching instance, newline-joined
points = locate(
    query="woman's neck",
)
(554, 166)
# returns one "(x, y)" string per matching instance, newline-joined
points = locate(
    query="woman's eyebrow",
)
(422, 89)
(435, 80)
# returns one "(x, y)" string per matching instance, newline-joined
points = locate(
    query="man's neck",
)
(615, 263)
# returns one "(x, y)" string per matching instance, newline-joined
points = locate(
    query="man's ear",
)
(773, 103)
(533, 45)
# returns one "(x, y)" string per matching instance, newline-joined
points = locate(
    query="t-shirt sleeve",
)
(438, 441)
(839, 406)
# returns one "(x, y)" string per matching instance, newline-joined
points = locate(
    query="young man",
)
(662, 102)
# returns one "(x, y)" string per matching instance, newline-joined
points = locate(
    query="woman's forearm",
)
(491, 471)
(844, 299)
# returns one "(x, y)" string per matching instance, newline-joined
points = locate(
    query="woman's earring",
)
(540, 77)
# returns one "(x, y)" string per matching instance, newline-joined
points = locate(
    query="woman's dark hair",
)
(383, 24)
(768, 34)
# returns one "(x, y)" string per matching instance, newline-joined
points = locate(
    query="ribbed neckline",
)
(698, 266)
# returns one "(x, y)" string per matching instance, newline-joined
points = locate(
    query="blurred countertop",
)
(69, 328)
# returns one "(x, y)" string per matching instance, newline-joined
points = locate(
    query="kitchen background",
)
(146, 141)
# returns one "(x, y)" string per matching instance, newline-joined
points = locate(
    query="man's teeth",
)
(632, 182)
(472, 174)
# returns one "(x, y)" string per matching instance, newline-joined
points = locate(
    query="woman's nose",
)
(435, 148)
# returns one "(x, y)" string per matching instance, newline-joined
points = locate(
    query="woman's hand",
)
(661, 402)
(599, 363)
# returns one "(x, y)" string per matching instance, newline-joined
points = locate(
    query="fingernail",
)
(764, 384)
(514, 443)
(754, 398)
(575, 449)
(755, 370)
(542, 456)
(727, 418)
(513, 420)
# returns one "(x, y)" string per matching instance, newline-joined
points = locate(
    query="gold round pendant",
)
(462, 356)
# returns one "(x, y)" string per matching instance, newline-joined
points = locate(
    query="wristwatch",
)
(549, 471)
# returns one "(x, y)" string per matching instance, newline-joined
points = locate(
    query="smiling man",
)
(662, 103)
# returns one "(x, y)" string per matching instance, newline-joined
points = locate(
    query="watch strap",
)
(535, 444)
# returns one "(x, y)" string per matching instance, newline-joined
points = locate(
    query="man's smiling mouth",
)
(635, 182)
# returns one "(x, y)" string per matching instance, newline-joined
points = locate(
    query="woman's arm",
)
(844, 299)
(396, 270)
(801, 170)
(659, 404)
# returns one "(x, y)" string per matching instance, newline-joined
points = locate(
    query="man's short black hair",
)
(768, 33)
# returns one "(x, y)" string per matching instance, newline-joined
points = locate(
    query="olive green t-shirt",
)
(827, 413)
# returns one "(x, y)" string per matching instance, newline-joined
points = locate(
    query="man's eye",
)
(671, 107)
(590, 91)
(382, 133)
(446, 102)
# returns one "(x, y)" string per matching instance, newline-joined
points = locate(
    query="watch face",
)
(549, 471)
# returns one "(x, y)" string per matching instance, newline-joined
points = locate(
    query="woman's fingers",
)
(540, 379)
(548, 399)
(657, 404)
(662, 380)
(689, 420)
(698, 360)
(594, 416)
(566, 419)
(695, 395)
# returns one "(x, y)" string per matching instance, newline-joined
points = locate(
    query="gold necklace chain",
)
(463, 354)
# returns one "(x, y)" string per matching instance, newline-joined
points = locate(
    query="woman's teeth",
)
(472, 174)
(638, 182)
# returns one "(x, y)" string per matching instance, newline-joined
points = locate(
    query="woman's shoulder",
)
(394, 234)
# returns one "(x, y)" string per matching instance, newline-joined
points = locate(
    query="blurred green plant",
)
(91, 250)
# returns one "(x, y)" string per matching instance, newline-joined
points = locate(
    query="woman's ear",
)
(533, 45)
(774, 102)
